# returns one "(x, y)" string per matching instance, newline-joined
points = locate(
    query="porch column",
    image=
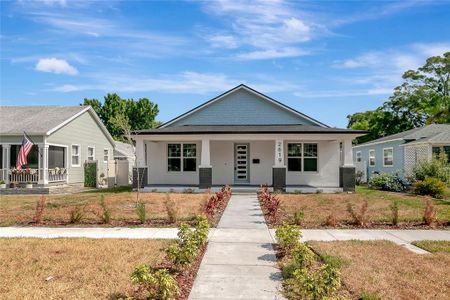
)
(347, 170)
(6, 161)
(43, 164)
(279, 167)
(205, 168)
(140, 163)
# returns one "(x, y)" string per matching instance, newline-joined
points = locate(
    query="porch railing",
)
(32, 175)
(29, 175)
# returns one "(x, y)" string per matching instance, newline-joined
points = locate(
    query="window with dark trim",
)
(181, 157)
(294, 161)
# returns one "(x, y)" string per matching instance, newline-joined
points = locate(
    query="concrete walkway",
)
(239, 262)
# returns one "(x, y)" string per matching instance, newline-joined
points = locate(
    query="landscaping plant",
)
(158, 284)
(39, 212)
(430, 186)
(76, 214)
(299, 216)
(438, 167)
(394, 210)
(360, 218)
(106, 213)
(429, 214)
(171, 208)
(270, 204)
(288, 237)
(388, 182)
(331, 220)
(140, 211)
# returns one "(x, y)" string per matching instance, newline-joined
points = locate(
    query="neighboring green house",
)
(65, 138)
(399, 153)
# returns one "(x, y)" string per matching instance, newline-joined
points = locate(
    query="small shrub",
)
(318, 284)
(76, 214)
(299, 216)
(369, 296)
(39, 212)
(288, 237)
(188, 191)
(394, 210)
(438, 167)
(159, 284)
(140, 211)
(430, 186)
(106, 213)
(331, 220)
(359, 175)
(429, 214)
(388, 182)
(171, 208)
(302, 256)
(360, 218)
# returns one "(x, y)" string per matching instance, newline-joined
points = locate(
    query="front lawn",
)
(73, 268)
(434, 246)
(317, 208)
(20, 210)
(384, 270)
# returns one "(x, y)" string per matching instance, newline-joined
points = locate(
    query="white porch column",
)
(279, 154)
(43, 164)
(205, 160)
(6, 161)
(347, 148)
(140, 159)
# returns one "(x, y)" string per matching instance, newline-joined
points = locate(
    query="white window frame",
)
(107, 155)
(181, 157)
(93, 153)
(78, 155)
(384, 164)
(358, 156)
(374, 158)
(302, 157)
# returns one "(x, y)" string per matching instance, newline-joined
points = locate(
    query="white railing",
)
(59, 174)
(23, 176)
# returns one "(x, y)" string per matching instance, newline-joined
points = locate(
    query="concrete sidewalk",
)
(240, 260)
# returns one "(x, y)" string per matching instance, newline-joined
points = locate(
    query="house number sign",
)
(280, 151)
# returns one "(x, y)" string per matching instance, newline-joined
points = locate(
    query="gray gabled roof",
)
(34, 119)
(415, 134)
(231, 129)
(123, 149)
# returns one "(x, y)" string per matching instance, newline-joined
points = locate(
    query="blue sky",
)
(326, 59)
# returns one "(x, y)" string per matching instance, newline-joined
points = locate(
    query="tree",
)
(423, 98)
(139, 114)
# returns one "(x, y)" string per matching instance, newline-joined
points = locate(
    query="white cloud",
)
(272, 53)
(66, 88)
(267, 29)
(55, 65)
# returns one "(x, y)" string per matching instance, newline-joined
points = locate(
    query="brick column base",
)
(347, 178)
(279, 179)
(204, 178)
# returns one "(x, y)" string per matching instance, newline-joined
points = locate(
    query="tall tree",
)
(423, 98)
(140, 114)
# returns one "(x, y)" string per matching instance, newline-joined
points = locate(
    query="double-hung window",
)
(181, 157)
(302, 157)
(90, 153)
(372, 158)
(294, 161)
(388, 157)
(358, 156)
(105, 155)
(75, 155)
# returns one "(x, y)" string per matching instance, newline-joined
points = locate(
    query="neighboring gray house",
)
(64, 136)
(400, 152)
(245, 138)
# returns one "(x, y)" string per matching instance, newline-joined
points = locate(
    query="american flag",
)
(23, 152)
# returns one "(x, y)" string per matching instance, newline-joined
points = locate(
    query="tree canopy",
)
(141, 114)
(423, 98)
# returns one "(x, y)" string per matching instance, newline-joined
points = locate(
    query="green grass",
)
(120, 189)
(433, 246)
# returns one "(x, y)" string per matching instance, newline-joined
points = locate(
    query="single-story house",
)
(64, 138)
(399, 153)
(245, 138)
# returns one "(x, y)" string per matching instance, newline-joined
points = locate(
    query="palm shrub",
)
(76, 214)
(394, 210)
(159, 284)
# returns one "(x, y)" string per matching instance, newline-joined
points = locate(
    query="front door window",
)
(241, 165)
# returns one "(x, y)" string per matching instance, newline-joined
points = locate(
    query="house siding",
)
(83, 131)
(398, 153)
(242, 108)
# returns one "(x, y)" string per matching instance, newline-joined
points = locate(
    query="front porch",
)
(46, 165)
(301, 163)
(300, 189)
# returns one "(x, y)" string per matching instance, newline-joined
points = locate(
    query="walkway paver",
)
(239, 262)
